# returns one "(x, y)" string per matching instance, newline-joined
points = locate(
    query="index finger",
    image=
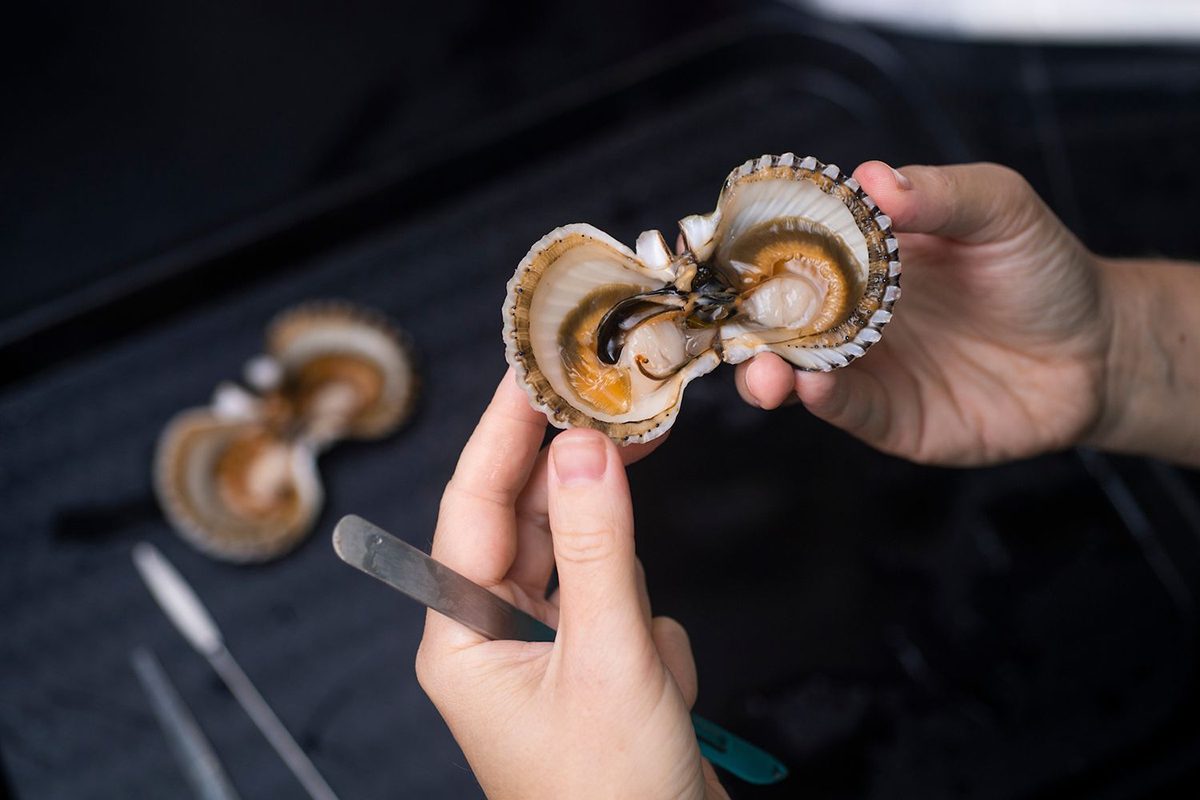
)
(476, 531)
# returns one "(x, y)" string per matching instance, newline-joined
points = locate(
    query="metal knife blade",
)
(404, 567)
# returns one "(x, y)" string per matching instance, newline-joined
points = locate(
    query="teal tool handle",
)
(736, 755)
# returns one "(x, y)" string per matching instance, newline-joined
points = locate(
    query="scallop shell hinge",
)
(796, 259)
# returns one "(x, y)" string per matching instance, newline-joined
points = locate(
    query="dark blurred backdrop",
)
(171, 176)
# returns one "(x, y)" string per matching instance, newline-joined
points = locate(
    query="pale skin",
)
(1011, 339)
(603, 712)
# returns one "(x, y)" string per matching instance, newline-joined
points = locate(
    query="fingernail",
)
(901, 179)
(578, 459)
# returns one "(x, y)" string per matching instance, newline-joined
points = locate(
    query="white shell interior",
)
(755, 202)
(374, 344)
(563, 285)
(338, 412)
(285, 462)
(782, 306)
(190, 494)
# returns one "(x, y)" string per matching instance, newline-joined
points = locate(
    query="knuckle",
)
(1015, 202)
(1006, 179)
(584, 544)
(489, 493)
(944, 178)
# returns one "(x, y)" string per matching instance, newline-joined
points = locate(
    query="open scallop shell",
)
(233, 488)
(238, 479)
(796, 259)
(568, 280)
(346, 372)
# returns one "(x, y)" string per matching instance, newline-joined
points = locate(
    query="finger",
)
(765, 381)
(591, 520)
(853, 399)
(675, 650)
(477, 525)
(968, 202)
(534, 559)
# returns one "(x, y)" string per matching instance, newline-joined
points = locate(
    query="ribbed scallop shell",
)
(852, 256)
(234, 489)
(838, 202)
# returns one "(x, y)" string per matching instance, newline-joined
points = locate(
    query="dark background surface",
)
(174, 178)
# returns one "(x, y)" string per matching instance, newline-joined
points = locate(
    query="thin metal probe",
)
(195, 755)
(183, 607)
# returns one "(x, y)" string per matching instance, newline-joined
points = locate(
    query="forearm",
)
(1152, 384)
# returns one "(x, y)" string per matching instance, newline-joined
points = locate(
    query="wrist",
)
(1150, 379)
(1120, 308)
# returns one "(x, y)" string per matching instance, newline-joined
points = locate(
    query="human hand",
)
(998, 347)
(602, 712)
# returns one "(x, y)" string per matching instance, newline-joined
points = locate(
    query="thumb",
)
(968, 202)
(591, 523)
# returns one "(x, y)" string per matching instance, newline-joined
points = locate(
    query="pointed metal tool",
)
(188, 614)
(405, 568)
(195, 755)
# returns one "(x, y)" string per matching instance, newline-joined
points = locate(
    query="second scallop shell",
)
(238, 479)
(796, 259)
